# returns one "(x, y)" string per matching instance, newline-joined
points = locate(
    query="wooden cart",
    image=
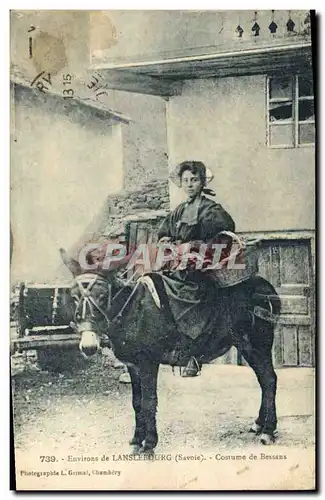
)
(41, 316)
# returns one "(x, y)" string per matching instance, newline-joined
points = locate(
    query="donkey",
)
(143, 336)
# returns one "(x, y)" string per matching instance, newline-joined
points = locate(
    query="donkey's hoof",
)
(135, 449)
(136, 445)
(146, 450)
(257, 429)
(267, 439)
(136, 442)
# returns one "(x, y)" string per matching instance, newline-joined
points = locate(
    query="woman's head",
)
(192, 177)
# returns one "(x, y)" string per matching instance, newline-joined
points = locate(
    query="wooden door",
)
(139, 232)
(287, 265)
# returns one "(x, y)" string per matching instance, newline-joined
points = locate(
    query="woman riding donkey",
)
(194, 319)
(199, 219)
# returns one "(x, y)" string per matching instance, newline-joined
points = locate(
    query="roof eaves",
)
(81, 101)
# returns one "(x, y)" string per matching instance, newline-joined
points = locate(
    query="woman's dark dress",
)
(206, 223)
(190, 291)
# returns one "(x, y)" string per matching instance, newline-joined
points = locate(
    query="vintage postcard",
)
(162, 306)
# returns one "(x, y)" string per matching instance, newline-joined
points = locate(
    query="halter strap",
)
(86, 300)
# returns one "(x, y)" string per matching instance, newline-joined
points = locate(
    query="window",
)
(290, 112)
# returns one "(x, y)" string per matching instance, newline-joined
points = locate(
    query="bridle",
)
(87, 304)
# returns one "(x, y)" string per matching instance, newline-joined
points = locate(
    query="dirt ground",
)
(89, 411)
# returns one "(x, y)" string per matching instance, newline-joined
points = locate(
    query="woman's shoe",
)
(192, 369)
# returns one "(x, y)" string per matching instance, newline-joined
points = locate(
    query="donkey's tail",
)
(266, 301)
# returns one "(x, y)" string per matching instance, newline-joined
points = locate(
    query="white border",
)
(161, 5)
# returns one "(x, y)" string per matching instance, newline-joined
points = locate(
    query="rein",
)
(120, 314)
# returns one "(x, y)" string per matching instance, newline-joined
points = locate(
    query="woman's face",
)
(191, 183)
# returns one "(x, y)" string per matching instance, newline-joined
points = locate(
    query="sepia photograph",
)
(162, 250)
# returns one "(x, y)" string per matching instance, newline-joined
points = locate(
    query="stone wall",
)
(148, 202)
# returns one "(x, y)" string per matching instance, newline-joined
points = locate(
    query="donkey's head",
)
(92, 294)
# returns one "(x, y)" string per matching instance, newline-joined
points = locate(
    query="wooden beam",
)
(140, 83)
(165, 78)
(36, 341)
(240, 70)
(45, 340)
(250, 62)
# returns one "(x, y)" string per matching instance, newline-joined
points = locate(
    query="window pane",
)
(280, 111)
(307, 133)
(281, 135)
(280, 88)
(305, 86)
(306, 110)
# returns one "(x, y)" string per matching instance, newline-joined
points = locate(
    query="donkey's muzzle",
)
(89, 343)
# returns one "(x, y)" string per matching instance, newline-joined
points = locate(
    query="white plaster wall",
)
(222, 123)
(63, 167)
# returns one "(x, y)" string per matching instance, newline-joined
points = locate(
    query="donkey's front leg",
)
(148, 377)
(140, 426)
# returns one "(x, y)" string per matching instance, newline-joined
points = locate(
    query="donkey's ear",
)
(73, 265)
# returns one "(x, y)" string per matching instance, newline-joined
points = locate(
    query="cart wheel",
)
(60, 359)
